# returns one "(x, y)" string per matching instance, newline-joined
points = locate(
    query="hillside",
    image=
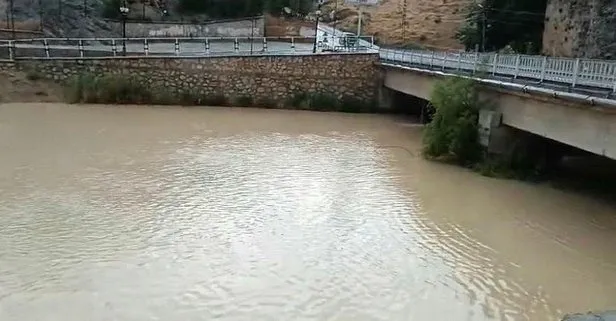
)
(430, 23)
(65, 18)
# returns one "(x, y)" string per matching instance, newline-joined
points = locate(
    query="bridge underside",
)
(580, 126)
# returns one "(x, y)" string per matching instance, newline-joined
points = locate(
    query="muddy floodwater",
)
(140, 213)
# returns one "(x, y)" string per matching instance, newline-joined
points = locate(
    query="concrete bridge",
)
(570, 101)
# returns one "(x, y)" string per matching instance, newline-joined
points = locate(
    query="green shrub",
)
(215, 100)
(351, 104)
(243, 101)
(453, 132)
(112, 89)
(265, 102)
(299, 100)
(323, 102)
(34, 75)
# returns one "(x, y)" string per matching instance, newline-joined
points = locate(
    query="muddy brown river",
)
(142, 213)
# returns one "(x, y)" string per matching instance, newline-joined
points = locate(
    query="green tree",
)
(453, 132)
(518, 24)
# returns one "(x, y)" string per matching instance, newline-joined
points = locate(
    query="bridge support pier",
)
(385, 98)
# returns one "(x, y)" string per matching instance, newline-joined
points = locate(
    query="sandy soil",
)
(27, 87)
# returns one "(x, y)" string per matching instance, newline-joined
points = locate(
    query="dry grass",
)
(431, 23)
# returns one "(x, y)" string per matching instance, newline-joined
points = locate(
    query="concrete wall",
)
(271, 78)
(580, 126)
(222, 28)
(575, 28)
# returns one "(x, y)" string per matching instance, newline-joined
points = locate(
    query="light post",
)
(483, 27)
(11, 8)
(124, 12)
(316, 26)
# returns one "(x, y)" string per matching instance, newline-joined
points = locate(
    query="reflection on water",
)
(196, 214)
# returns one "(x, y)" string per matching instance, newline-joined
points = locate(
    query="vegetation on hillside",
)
(515, 24)
(242, 8)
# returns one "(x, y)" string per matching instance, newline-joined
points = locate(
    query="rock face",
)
(431, 23)
(60, 18)
(584, 29)
(598, 316)
(274, 79)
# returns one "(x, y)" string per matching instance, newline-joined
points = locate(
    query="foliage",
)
(125, 89)
(453, 132)
(89, 88)
(111, 8)
(34, 75)
(265, 102)
(518, 24)
(323, 102)
(242, 8)
(243, 101)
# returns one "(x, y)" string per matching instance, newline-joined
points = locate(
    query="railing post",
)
(264, 44)
(432, 59)
(444, 62)
(544, 65)
(576, 72)
(475, 62)
(411, 58)
(114, 48)
(46, 44)
(614, 77)
(80, 48)
(207, 46)
(517, 66)
(11, 49)
(177, 47)
(293, 43)
(146, 47)
(236, 45)
(459, 61)
(495, 64)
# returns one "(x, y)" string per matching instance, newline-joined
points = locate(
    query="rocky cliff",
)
(430, 23)
(580, 28)
(60, 18)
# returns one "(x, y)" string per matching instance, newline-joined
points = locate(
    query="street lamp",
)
(316, 27)
(483, 27)
(124, 12)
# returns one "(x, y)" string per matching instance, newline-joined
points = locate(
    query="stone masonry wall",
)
(272, 78)
(224, 28)
(580, 28)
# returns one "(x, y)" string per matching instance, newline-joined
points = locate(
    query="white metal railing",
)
(152, 46)
(569, 71)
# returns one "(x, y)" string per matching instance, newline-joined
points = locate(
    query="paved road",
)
(186, 48)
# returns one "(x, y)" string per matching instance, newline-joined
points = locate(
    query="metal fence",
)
(122, 47)
(568, 71)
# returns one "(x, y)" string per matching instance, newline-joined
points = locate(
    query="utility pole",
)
(40, 3)
(316, 26)
(334, 17)
(483, 27)
(12, 18)
(404, 22)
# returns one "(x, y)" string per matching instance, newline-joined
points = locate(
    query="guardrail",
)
(542, 69)
(121, 47)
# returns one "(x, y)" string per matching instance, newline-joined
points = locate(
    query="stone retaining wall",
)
(272, 78)
(252, 27)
